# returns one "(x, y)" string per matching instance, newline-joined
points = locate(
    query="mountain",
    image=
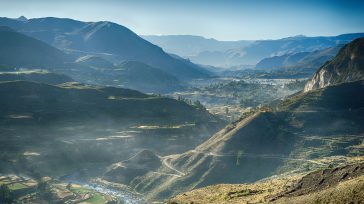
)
(302, 61)
(238, 53)
(113, 42)
(347, 66)
(21, 51)
(18, 50)
(268, 48)
(190, 45)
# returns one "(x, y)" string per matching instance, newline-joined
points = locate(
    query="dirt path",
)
(265, 156)
(168, 165)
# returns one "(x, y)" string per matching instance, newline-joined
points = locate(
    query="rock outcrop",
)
(347, 66)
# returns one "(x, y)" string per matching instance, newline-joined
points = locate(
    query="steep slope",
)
(266, 143)
(18, 50)
(110, 40)
(347, 66)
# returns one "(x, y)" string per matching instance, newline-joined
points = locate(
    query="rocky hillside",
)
(342, 184)
(347, 66)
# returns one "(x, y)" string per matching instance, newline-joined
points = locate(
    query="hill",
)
(70, 128)
(18, 50)
(114, 42)
(129, 74)
(347, 66)
(65, 97)
(143, 77)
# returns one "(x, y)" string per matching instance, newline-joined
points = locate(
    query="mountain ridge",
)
(112, 41)
(347, 66)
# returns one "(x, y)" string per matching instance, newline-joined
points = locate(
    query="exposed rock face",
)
(347, 66)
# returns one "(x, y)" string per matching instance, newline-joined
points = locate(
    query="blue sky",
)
(219, 19)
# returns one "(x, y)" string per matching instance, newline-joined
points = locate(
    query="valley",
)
(95, 111)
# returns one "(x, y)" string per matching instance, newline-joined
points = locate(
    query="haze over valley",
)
(117, 104)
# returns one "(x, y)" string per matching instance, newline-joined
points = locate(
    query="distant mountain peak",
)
(22, 18)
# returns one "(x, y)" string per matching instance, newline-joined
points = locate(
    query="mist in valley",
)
(114, 103)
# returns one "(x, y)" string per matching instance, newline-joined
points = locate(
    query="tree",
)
(69, 186)
(6, 196)
(199, 105)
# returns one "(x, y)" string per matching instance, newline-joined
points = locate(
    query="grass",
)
(17, 186)
(79, 190)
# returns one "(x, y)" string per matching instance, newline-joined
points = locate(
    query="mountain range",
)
(248, 52)
(58, 44)
(301, 61)
(190, 45)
